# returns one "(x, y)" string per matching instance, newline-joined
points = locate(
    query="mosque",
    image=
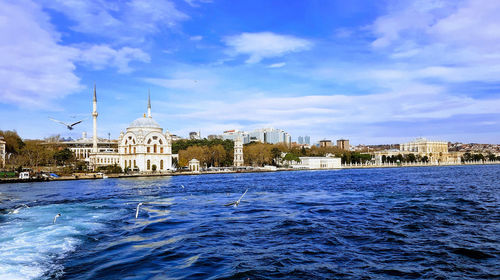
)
(143, 147)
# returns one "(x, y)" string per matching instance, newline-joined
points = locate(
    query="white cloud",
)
(277, 65)
(265, 45)
(34, 67)
(103, 56)
(130, 21)
(194, 3)
(335, 114)
(196, 38)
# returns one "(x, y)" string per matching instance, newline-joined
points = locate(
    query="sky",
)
(373, 72)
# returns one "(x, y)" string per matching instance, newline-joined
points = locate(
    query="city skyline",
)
(373, 73)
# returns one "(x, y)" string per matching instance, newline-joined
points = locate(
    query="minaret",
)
(238, 152)
(149, 104)
(94, 116)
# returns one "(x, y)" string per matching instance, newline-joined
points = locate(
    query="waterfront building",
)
(143, 147)
(435, 151)
(194, 165)
(422, 145)
(343, 144)
(83, 147)
(325, 143)
(3, 152)
(238, 152)
(318, 163)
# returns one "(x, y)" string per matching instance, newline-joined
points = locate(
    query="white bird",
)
(16, 210)
(55, 217)
(237, 202)
(182, 186)
(69, 126)
(137, 211)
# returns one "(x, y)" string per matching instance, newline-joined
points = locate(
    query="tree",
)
(291, 158)
(64, 156)
(258, 154)
(13, 143)
(276, 154)
(410, 158)
(217, 155)
(153, 167)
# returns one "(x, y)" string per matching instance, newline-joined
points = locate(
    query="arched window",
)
(161, 150)
(148, 149)
(149, 165)
(135, 165)
(154, 148)
(134, 150)
(130, 148)
(125, 149)
(161, 164)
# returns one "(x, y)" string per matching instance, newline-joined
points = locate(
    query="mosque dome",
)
(144, 122)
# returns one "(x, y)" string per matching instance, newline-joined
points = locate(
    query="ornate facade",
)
(143, 147)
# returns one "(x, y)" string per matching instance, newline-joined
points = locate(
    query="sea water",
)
(398, 223)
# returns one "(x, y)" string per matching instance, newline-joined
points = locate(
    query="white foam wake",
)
(31, 246)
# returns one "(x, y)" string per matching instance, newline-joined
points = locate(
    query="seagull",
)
(56, 216)
(237, 202)
(137, 211)
(182, 186)
(69, 126)
(15, 211)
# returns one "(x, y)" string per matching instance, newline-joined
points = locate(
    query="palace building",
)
(143, 147)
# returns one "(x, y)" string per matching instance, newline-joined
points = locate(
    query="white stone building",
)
(3, 152)
(194, 165)
(143, 147)
(318, 163)
(238, 152)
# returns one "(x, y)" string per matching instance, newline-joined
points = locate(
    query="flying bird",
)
(137, 211)
(69, 126)
(55, 217)
(237, 202)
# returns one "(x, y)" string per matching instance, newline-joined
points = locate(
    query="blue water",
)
(401, 223)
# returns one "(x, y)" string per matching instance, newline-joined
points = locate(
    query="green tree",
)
(291, 157)
(64, 156)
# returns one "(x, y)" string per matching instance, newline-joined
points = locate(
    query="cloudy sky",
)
(371, 71)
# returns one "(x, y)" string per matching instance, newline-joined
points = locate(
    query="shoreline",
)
(92, 176)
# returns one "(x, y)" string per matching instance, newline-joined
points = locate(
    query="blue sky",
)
(370, 71)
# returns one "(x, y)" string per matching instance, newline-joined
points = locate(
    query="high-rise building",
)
(300, 140)
(194, 135)
(307, 140)
(343, 144)
(325, 143)
(263, 135)
(233, 134)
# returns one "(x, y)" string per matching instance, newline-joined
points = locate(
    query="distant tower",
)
(94, 116)
(149, 104)
(238, 151)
